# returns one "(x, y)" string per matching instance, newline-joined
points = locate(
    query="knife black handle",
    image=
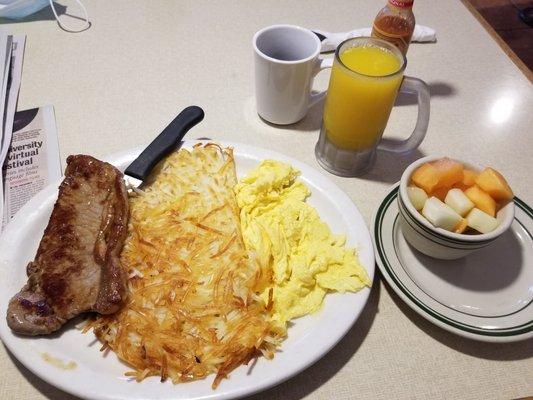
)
(320, 36)
(165, 142)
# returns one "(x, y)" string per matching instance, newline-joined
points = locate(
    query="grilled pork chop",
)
(77, 266)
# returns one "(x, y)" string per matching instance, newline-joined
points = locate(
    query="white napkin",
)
(332, 40)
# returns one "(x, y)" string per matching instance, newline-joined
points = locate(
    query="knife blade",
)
(137, 172)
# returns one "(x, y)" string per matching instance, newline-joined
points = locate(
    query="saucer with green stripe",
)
(487, 295)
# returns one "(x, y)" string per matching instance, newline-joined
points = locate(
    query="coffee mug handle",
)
(418, 86)
(321, 63)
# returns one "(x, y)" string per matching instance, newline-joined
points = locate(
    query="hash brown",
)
(192, 308)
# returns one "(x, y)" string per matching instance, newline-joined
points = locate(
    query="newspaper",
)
(29, 152)
(11, 57)
(5, 61)
(32, 160)
(12, 92)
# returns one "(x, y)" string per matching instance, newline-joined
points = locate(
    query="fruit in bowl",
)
(456, 198)
(449, 208)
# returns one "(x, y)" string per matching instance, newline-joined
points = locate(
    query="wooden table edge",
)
(504, 46)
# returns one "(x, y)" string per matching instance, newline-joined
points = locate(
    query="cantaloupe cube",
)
(426, 177)
(462, 186)
(469, 177)
(440, 192)
(482, 200)
(492, 182)
(461, 227)
(450, 172)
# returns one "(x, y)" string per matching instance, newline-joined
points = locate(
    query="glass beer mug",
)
(366, 77)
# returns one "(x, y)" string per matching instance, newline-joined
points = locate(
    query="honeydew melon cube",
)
(481, 221)
(441, 215)
(492, 182)
(417, 196)
(457, 200)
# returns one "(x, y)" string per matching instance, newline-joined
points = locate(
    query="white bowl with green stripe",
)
(437, 242)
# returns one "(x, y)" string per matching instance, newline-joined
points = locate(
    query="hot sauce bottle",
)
(395, 23)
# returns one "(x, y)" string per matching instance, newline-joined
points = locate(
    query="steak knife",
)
(137, 172)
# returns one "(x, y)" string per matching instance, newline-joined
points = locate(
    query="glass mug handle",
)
(418, 86)
(321, 64)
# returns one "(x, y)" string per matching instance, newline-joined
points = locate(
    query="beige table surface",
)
(119, 83)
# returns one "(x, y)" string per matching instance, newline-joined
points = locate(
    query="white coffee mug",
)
(286, 61)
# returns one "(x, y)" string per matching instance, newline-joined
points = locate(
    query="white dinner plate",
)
(486, 296)
(97, 377)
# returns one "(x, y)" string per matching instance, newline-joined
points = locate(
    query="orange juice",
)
(360, 96)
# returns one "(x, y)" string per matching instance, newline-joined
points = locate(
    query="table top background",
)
(119, 83)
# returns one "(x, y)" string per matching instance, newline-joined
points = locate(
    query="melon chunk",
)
(426, 177)
(417, 196)
(492, 182)
(450, 172)
(460, 185)
(460, 203)
(482, 200)
(469, 177)
(480, 221)
(461, 227)
(440, 193)
(440, 215)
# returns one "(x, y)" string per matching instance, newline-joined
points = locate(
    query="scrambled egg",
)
(295, 249)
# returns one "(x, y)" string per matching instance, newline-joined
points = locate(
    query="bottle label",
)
(401, 3)
(400, 41)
